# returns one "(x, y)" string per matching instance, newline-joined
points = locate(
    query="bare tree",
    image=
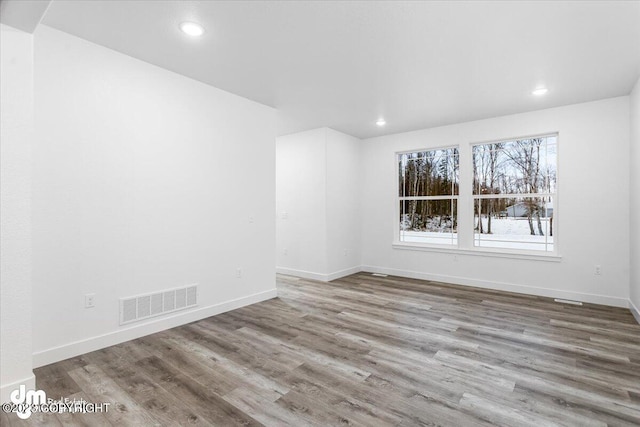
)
(525, 156)
(486, 170)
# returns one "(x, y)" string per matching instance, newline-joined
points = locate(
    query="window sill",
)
(476, 252)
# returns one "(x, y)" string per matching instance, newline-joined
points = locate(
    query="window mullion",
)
(465, 199)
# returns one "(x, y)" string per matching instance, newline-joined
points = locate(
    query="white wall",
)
(16, 124)
(143, 180)
(593, 189)
(344, 164)
(635, 200)
(317, 202)
(301, 194)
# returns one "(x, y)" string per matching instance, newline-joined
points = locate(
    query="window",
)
(428, 196)
(514, 188)
(506, 202)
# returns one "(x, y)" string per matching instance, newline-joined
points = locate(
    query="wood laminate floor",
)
(366, 350)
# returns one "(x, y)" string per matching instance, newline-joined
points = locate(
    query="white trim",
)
(427, 198)
(516, 138)
(484, 284)
(465, 239)
(344, 273)
(399, 198)
(424, 150)
(319, 276)
(512, 195)
(6, 389)
(501, 286)
(634, 311)
(302, 273)
(55, 354)
(501, 253)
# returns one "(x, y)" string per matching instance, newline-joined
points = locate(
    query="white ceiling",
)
(344, 64)
(24, 15)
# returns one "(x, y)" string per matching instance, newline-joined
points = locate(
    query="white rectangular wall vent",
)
(142, 307)
(566, 301)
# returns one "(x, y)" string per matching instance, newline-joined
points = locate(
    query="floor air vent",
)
(566, 301)
(142, 307)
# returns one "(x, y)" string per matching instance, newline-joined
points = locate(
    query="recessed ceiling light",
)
(540, 91)
(192, 29)
(381, 122)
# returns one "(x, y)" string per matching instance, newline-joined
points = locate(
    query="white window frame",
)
(399, 199)
(465, 208)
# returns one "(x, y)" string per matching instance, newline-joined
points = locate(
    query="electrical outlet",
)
(285, 251)
(238, 273)
(598, 270)
(346, 252)
(455, 258)
(89, 300)
(251, 220)
(284, 215)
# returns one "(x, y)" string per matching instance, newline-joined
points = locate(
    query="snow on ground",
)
(508, 233)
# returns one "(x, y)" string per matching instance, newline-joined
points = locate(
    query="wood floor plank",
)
(123, 410)
(185, 389)
(79, 419)
(55, 381)
(120, 365)
(501, 415)
(351, 393)
(236, 373)
(617, 406)
(368, 350)
(263, 409)
(303, 353)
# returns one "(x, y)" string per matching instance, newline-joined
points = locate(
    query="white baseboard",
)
(343, 273)
(6, 389)
(319, 276)
(77, 348)
(500, 286)
(634, 311)
(302, 273)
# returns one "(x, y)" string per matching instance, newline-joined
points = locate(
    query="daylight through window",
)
(428, 196)
(514, 187)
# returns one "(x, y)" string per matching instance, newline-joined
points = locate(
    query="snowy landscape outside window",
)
(514, 189)
(428, 196)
